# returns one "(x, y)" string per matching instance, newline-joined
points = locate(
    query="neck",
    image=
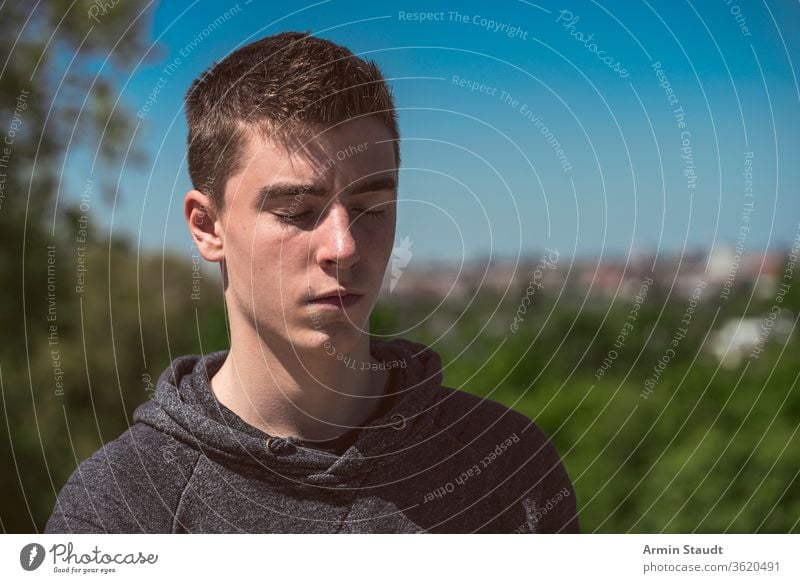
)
(285, 391)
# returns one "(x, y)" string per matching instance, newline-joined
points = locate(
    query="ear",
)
(204, 227)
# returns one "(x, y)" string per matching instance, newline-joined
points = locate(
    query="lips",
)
(337, 299)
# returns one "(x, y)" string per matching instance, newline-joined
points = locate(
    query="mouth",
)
(337, 300)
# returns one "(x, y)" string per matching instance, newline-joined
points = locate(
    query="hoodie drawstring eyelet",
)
(273, 445)
(400, 421)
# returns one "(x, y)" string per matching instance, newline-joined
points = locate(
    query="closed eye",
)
(370, 213)
(287, 219)
(291, 218)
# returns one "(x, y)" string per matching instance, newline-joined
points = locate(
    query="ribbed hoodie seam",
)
(352, 505)
(183, 492)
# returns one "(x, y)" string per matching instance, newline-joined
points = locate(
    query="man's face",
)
(309, 223)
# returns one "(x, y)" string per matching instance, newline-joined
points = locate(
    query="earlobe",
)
(203, 227)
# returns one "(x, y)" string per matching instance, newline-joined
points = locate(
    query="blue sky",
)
(481, 174)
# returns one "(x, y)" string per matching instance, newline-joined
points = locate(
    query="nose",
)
(335, 242)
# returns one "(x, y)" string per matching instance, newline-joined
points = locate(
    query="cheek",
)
(381, 239)
(253, 255)
(279, 258)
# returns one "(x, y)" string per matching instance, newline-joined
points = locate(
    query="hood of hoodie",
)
(185, 409)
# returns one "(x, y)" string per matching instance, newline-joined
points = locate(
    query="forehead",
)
(322, 155)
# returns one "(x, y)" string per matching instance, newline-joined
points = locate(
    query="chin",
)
(332, 337)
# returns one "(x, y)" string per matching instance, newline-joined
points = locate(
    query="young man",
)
(307, 424)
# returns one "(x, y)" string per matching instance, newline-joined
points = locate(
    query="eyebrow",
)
(363, 186)
(373, 184)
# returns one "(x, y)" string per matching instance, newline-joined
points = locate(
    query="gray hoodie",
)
(433, 460)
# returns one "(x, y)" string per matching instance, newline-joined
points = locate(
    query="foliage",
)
(711, 449)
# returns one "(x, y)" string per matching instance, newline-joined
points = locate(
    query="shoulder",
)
(514, 447)
(470, 418)
(132, 484)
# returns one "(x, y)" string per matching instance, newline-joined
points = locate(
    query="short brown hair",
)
(278, 85)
